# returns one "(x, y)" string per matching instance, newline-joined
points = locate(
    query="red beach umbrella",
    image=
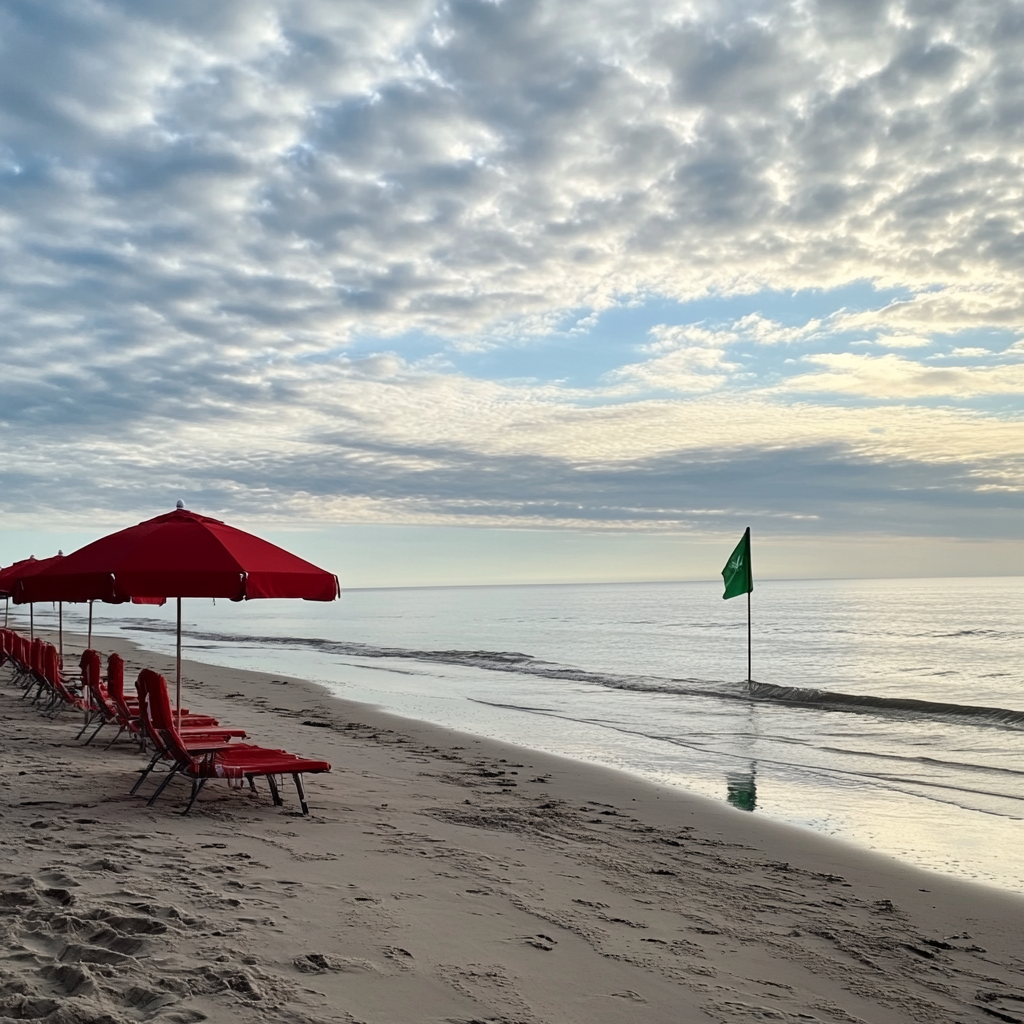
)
(180, 554)
(5, 578)
(11, 577)
(16, 570)
(5, 587)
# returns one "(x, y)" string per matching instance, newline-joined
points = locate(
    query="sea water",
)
(889, 713)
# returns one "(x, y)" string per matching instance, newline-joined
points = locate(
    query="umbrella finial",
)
(179, 504)
(60, 551)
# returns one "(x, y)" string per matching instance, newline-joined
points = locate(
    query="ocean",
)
(887, 713)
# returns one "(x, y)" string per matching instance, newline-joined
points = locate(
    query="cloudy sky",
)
(530, 289)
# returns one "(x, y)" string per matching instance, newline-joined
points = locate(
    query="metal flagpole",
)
(749, 677)
(177, 688)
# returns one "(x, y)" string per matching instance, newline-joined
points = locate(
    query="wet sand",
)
(443, 877)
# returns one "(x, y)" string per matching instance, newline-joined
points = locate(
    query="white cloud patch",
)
(685, 359)
(902, 341)
(946, 309)
(894, 377)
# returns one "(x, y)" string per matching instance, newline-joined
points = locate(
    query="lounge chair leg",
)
(115, 739)
(197, 785)
(95, 734)
(145, 772)
(252, 783)
(302, 796)
(163, 785)
(272, 783)
(85, 725)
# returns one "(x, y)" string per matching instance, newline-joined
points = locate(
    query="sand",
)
(442, 877)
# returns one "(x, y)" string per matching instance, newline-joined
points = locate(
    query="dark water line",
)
(828, 699)
(966, 766)
(920, 759)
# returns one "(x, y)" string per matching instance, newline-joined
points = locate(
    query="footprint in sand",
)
(628, 993)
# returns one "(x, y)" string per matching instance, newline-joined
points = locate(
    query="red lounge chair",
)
(197, 740)
(17, 652)
(9, 647)
(127, 713)
(98, 703)
(97, 691)
(21, 655)
(50, 673)
(128, 707)
(226, 761)
(34, 676)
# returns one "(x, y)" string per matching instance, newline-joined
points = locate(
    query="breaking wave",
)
(829, 700)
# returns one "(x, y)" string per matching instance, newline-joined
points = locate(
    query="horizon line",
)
(642, 583)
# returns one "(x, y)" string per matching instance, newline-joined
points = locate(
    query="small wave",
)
(492, 661)
(830, 700)
(525, 664)
(519, 707)
(967, 632)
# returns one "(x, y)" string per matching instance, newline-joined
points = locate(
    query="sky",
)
(495, 291)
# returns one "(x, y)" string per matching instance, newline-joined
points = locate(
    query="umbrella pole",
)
(60, 628)
(7, 610)
(90, 626)
(177, 687)
(31, 621)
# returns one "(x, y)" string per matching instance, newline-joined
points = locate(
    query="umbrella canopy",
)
(5, 574)
(5, 579)
(10, 576)
(180, 554)
(5, 588)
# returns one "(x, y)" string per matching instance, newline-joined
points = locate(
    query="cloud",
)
(378, 440)
(290, 173)
(203, 208)
(906, 341)
(894, 377)
(946, 309)
(684, 359)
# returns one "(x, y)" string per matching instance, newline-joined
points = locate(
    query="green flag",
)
(739, 579)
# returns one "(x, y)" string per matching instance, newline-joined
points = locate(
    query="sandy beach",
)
(442, 877)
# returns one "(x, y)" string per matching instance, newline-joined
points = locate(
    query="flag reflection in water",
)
(741, 789)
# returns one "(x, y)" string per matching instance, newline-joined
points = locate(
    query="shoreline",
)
(444, 876)
(947, 820)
